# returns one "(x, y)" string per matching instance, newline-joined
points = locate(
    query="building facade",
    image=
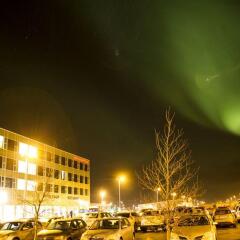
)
(29, 169)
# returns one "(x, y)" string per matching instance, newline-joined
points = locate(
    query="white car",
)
(110, 229)
(18, 230)
(133, 218)
(223, 216)
(197, 227)
(90, 217)
(152, 219)
(237, 211)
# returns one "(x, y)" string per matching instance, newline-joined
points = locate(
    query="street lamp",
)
(174, 195)
(158, 190)
(120, 179)
(102, 195)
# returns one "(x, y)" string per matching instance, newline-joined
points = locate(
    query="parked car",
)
(237, 212)
(224, 217)
(194, 227)
(64, 229)
(114, 228)
(152, 220)
(18, 230)
(132, 217)
(90, 217)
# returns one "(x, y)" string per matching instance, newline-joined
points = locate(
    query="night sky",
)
(95, 77)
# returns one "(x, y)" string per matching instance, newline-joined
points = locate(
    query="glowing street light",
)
(120, 179)
(158, 190)
(174, 195)
(102, 195)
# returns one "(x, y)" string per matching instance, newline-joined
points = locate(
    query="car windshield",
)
(123, 215)
(59, 225)
(193, 221)
(150, 213)
(92, 215)
(11, 226)
(105, 224)
(222, 212)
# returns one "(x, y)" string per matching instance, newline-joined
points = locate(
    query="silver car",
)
(18, 230)
(110, 229)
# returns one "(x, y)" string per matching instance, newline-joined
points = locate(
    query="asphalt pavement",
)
(223, 234)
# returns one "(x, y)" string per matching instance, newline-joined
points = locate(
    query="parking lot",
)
(223, 234)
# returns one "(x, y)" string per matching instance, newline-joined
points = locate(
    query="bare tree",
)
(35, 200)
(172, 172)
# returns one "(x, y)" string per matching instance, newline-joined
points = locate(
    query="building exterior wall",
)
(28, 167)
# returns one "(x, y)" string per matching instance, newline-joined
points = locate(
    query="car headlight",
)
(174, 236)
(208, 236)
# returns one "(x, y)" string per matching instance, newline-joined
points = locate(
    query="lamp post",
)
(102, 195)
(120, 180)
(158, 190)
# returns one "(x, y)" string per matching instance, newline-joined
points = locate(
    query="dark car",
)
(63, 229)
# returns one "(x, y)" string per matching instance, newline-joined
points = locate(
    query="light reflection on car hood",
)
(191, 231)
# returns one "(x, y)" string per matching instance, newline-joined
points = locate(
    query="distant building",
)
(27, 166)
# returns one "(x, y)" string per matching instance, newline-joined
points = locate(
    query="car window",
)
(59, 225)
(105, 224)
(14, 226)
(127, 215)
(193, 221)
(92, 215)
(134, 214)
(222, 211)
(124, 223)
(27, 226)
(74, 224)
(80, 223)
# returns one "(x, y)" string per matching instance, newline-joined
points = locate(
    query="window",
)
(86, 192)
(11, 144)
(56, 188)
(1, 141)
(49, 172)
(63, 189)
(40, 187)
(1, 181)
(10, 164)
(63, 175)
(75, 164)
(86, 180)
(81, 191)
(9, 182)
(56, 174)
(81, 179)
(31, 185)
(1, 162)
(86, 167)
(63, 161)
(75, 191)
(81, 166)
(21, 184)
(27, 150)
(49, 156)
(40, 171)
(75, 178)
(49, 188)
(32, 168)
(69, 190)
(70, 162)
(57, 159)
(69, 176)
(22, 166)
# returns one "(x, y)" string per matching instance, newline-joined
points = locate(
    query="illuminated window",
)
(31, 185)
(32, 169)
(22, 166)
(32, 152)
(1, 141)
(63, 175)
(21, 184)
(23, 149)
(26, 150)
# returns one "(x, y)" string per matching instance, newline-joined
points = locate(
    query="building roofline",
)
(83, 158)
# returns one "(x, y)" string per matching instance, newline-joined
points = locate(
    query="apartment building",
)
(29, 168)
